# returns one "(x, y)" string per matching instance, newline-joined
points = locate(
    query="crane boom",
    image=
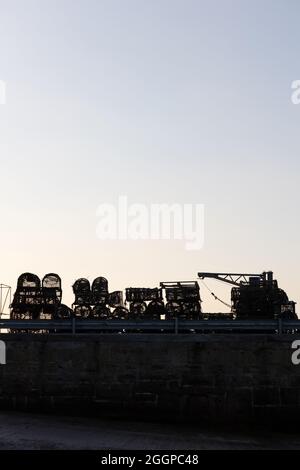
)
(235, 278)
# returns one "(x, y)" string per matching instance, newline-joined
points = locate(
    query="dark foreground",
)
(212, 378)
(22, 431)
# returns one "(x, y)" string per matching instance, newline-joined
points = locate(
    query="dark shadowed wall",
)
(214, 378)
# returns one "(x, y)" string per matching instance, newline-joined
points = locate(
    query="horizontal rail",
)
(75, 325)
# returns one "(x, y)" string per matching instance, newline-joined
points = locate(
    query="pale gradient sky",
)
(163, 101)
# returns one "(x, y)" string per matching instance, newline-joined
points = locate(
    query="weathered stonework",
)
(203, 378)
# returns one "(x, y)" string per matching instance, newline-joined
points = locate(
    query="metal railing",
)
(175, 326)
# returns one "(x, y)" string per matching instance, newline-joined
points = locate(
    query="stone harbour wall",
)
(226, 378)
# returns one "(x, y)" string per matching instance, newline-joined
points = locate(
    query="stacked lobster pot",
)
(115, 301)
(99, 299)
(83, 298)
(97, 302)
(52, 296)
(145, 303)
(27, 300)
(34, 300)
(183, 300)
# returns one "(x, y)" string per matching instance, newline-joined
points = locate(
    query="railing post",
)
(73, 326)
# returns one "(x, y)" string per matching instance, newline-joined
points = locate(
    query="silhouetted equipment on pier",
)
(52, 297)
(183, 300)
(5, 298)
(115, 301)
(51, 293)
(256, 296)
(100, 291)
(99, 298)
(83, 298)
(27, 300)
(34, 300)
(253, 297)
(62, 312)
(96, 301)
(145, 303)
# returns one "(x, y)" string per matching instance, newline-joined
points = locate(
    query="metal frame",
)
(6, 296)
(75, 325)
(234, 279)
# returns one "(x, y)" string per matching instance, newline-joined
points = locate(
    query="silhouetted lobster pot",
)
(52, 294)
(183, 300)
(27, 300)
(138, 306)
(100, 291)
(63, 312)
(115, 301)
(100, 298)
(83, 298)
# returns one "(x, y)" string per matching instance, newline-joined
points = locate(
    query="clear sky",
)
(160, 100)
